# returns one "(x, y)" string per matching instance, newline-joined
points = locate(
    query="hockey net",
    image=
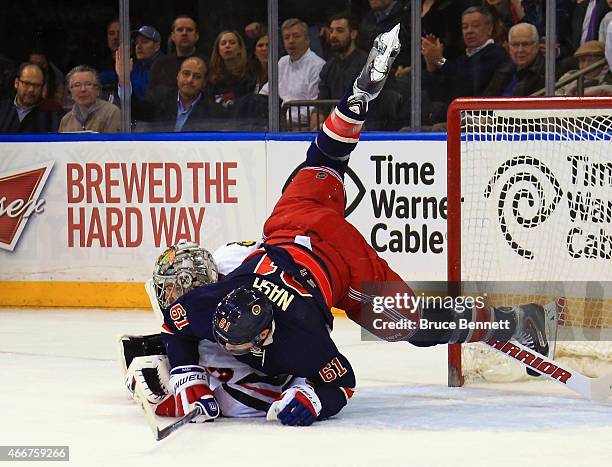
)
(530, 220)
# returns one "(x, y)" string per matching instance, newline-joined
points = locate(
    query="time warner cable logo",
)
(531, 193)
(19, 199)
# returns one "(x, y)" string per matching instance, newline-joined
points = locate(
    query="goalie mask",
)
(181, 268)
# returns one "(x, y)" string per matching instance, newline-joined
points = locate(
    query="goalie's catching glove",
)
(151, 374)
(191, 391)
(298, 405)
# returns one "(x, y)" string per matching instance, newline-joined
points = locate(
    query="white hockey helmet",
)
(181, 268)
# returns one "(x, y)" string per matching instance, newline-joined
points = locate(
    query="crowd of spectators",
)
(469, 48)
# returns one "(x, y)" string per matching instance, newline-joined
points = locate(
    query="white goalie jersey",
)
(231, 255)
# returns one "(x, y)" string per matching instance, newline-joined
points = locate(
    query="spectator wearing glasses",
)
(88, 112)
(525, 73)
(23, 113)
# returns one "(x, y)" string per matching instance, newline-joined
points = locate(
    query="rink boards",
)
(83, 217)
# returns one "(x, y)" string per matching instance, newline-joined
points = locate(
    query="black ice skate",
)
(139, 346)
(531, 330)
(373, 75)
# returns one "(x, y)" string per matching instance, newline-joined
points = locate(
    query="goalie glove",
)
(191, 391)
(298, 405)
(152, 375)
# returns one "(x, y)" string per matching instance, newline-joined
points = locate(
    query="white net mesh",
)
(536, 189)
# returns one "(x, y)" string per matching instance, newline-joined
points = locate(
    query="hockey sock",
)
(482, 323)
(337, 139)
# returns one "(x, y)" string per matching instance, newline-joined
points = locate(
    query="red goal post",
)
(476, 119)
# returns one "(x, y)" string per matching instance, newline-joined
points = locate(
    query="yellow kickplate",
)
(80, 295)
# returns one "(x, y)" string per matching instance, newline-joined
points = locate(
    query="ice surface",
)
(61, 385)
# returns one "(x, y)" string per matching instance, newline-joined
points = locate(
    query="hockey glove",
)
(152, 373)
(298, 405)
(190, 386)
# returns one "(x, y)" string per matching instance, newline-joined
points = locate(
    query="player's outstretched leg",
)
(341, 130)
(524, 323)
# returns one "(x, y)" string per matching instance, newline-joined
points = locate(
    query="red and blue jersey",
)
(297, 285)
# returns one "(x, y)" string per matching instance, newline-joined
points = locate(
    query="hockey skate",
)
(373, 75)
(531, 329)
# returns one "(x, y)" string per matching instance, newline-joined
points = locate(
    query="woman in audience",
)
(89, 113)
(229, 77)
(259, 63)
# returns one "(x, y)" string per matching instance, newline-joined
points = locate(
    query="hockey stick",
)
(591, 388)
(152, 421)
(167, 431)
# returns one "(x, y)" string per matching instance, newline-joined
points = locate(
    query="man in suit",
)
(184, 108)
(466, 75)
(25, 112)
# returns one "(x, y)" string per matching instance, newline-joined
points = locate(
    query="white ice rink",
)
(61, 385)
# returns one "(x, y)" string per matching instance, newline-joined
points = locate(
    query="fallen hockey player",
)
(272, 313)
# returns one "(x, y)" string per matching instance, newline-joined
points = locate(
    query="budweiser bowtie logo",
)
(19, 192)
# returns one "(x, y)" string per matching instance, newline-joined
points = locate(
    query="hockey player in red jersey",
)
(273, 312)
